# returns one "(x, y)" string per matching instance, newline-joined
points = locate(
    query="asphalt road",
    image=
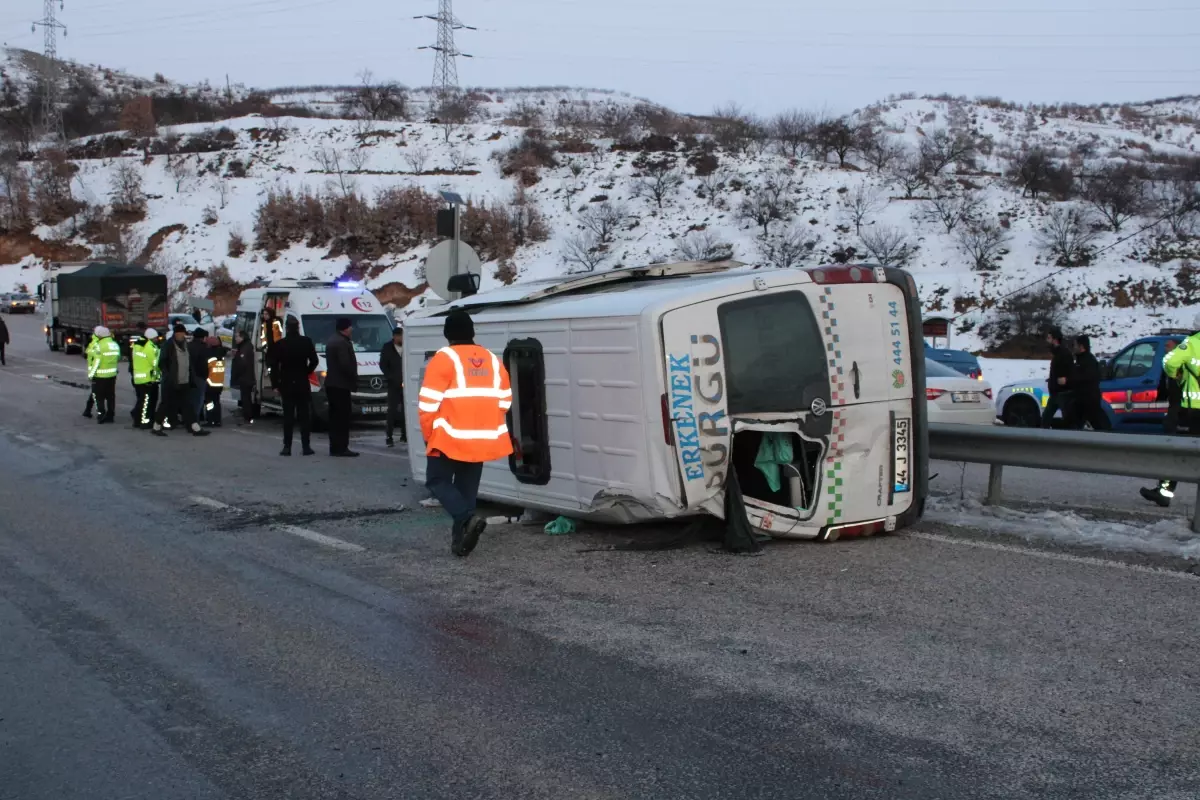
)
(200, 618)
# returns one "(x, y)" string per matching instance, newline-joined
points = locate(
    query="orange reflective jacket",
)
(463, 402)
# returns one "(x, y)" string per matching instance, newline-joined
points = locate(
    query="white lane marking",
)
(49, 447)
(208, 501)
(320, 538)
(1049, 556)
(23, 438)
(56, 364)
(303, 533)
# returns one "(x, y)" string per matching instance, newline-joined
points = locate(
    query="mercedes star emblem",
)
(376, 383)
(818, 407)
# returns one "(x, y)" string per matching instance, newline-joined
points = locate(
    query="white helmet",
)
(102, 332)
(151, 333)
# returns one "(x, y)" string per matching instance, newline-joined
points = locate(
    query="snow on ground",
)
(1167, 537)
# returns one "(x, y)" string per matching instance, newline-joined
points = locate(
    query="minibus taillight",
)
(668, 430)
(839, 273)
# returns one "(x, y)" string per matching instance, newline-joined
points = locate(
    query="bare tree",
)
(527, 114)
(172, 267)
(714, 183)
(911, 173)
(416, 158)
(1036, 173)
(942, 148)
(125, 190)
(1118, 192)
(331, 162)
(660, 181)
(734, 129)
(375, 101)
(983, 243)
(888, 246)
(769, 202)
(952, 209)
(839, 136)
(880, 152)
(358, 158)
(460, 159)
(221, 187)
(584, 252)
(16, 213)
(181, 172)
(862, 203)
(1068, 235)
(792, 132)
(704, 246)
(787, 249)
(119, 244)
(1178, 203)
(603, 219)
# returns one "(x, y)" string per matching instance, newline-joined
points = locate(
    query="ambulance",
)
(262, 315)
(640, 393)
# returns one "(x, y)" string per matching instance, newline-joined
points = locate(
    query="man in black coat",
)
(1062, 368)
(1089, 402)
(3, 341)
(391, 362)
(198, 358)
(341, 378)
(178, 378)
(293, 359)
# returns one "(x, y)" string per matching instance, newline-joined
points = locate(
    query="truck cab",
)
(262, 316)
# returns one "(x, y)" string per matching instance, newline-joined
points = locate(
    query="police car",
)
(1132, 387)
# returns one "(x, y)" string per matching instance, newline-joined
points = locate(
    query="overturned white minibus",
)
(638, 393)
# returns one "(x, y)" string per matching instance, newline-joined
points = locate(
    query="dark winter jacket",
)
(3, 333)
(1086, 382)
(293, 358)
(1062, 365)
(241, 371)
(341, 365)
(198, 351)
(168, 359)
(391, 363)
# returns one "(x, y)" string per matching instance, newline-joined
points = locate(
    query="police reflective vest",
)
(108, 356)
(1183, 365)
(93, 354)
(144, 356)
(216, 372)
(463, 401)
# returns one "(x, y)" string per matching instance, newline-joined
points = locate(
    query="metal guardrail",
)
(1134, 456)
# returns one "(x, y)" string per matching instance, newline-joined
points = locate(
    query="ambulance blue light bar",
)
(348, 285)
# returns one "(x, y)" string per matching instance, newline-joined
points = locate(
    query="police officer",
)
(215, 381)
(143, 372)
(1183, 365)
(104, 376)
(464, 399)
(92, 353)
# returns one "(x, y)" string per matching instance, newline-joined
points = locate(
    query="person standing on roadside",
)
(214, 383)
(391, 363)
(464, 400)
(198, 358)
(104, 376)
(178, 379)
(92, 353)
(1062, 367)
(143, 372)
(1089, 401)
(341, 378)
(3, 342)
(1182, 366)
(293, 359)
(241, 376)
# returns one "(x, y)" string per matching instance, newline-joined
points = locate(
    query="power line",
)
(445, 68)
(51, 113)
(1194, 206)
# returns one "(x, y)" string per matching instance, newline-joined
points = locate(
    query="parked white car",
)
(951, 396)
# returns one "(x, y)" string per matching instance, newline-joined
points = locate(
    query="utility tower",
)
(445, 71)
(51, 113)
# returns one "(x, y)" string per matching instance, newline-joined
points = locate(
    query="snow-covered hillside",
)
(597, 197)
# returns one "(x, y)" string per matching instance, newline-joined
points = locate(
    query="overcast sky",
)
(691, 55)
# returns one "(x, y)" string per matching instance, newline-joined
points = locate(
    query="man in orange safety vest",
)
(463, 403)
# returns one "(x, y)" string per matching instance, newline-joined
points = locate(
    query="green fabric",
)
(108, 356)
(773, 450)
(560, 526)
(93, 356)
(144, 357)
(1183, 364)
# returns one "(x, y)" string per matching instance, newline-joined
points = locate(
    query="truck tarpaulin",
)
(121, 297)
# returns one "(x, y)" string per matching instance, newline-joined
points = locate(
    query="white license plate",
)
(374, 409)
(964, 397)
(901, 454)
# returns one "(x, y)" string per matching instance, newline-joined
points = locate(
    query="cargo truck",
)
(78, 297)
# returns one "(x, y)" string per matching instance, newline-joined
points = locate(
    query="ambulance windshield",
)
(369, 334)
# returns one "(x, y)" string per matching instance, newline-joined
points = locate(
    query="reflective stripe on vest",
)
(108, 356)
(142, 367)
(433, 399)
(216, 372)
